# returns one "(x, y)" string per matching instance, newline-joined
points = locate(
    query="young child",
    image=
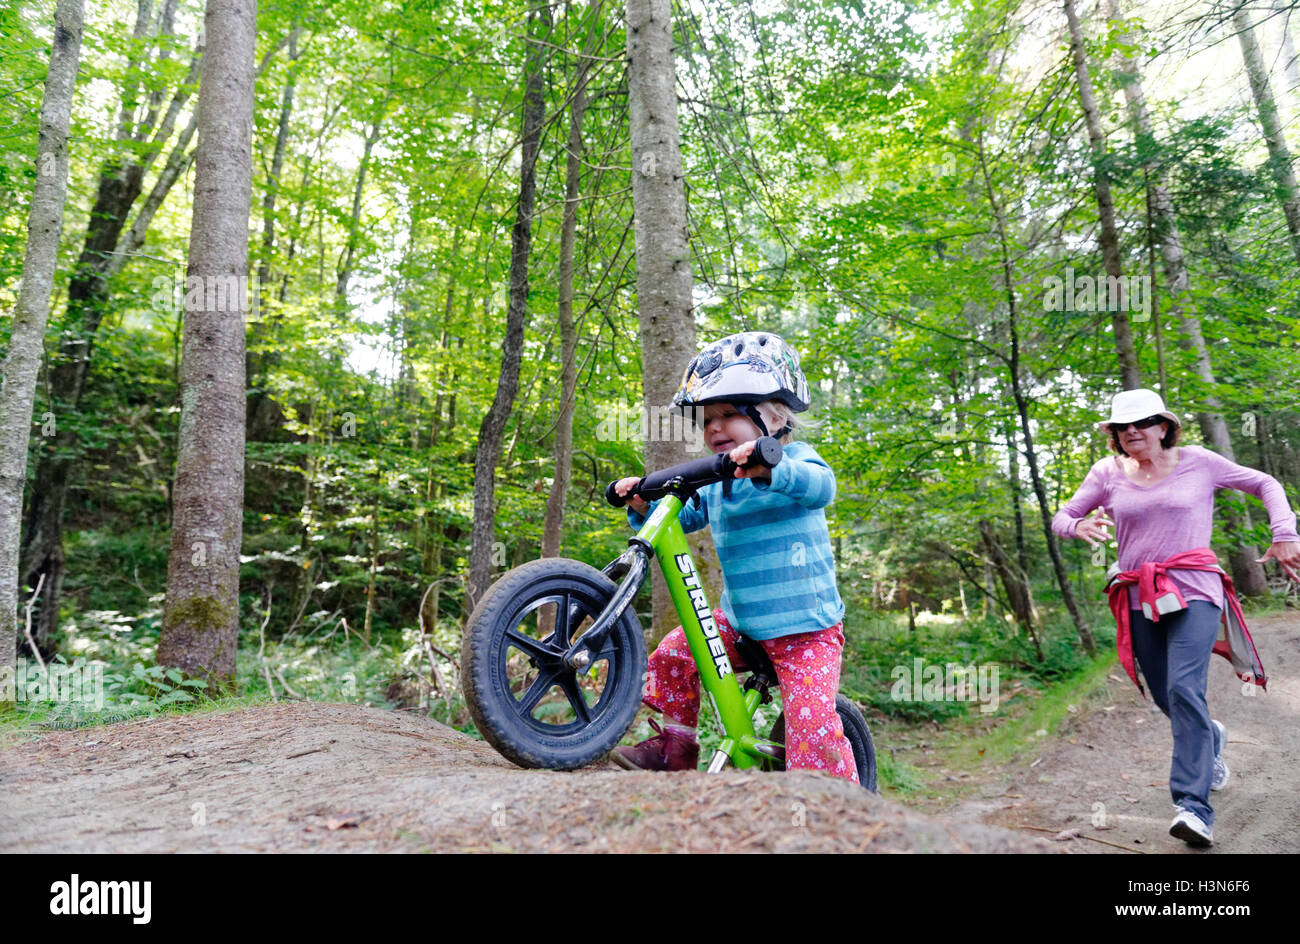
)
(778, 572)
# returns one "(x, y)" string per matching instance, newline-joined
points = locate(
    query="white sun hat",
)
(1130, 405)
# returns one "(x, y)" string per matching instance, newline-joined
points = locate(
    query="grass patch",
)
(976, 743)
(896, 776)
(1043, 711)
(32, 720)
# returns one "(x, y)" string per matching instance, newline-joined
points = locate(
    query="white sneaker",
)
(1221, 771)
(1188, 827)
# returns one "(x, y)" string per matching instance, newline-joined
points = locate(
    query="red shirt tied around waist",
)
(1158, 595)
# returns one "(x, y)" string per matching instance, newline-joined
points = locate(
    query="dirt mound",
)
(306, 777)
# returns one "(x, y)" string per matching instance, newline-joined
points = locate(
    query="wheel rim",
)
(540, 689)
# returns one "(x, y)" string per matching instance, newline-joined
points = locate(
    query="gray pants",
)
(1175, 658)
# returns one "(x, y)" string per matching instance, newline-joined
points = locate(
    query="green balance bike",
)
(553, 659)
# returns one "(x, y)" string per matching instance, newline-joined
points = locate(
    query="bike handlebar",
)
(697, 473)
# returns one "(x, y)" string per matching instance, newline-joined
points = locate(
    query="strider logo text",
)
(686, 567)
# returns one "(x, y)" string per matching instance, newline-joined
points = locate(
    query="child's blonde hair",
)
(788, 417)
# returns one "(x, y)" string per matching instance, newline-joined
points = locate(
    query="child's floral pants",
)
(808, 668)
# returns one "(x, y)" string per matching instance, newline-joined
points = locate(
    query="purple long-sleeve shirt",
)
(1152, 523)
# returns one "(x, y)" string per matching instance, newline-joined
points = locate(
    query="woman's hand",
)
(1287, 554)
(741, 454)
(1093, 530)
(639, 504)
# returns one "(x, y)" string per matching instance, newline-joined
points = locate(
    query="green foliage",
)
(880, 183)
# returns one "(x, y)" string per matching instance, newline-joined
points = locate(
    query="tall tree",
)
(1290, 61)
(553, 524)
(494, 421)
(1130, 375)
(105, 251)
(264, 414)
(26, 342)
(1246, 572)
(1021, 397)
(1279, 155)
(663, 262)
(200, 629)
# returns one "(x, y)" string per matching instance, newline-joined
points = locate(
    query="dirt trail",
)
(1107, 772)
(345, 778)
(328, 777)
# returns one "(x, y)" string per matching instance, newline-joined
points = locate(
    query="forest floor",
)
(295, 777)
(1105, 770)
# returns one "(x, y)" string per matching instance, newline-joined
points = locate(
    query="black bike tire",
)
(857, 733)
(480, 682)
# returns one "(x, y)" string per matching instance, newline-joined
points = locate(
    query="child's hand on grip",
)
(639, 504)
(741, 454)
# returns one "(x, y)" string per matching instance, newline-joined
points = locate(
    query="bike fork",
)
(635, 564)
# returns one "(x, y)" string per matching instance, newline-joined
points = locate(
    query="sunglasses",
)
(1139, 424)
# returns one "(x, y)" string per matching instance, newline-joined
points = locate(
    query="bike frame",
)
(663, 536)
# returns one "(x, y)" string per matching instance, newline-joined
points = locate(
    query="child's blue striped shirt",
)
(778, 571)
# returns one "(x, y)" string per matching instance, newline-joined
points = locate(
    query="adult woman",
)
(1171, 594)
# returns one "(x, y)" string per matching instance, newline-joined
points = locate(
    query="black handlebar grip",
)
(767, 452)
(613, 497)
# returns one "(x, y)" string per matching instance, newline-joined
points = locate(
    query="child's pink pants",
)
(808, 668)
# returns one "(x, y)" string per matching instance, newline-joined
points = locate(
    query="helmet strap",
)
(752, 412)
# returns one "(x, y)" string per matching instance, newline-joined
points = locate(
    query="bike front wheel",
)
(857, 733)
(525, 700)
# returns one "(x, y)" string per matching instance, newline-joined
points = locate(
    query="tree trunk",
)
(264, 415)
(1013, 468)
(104, 254)
(1246, 573)
(663, 264)
(1154, 295)
(200, 630)
(1022, 407)
(344, 274)
(494, 422)
(1130, 375)
(553, 524)
(26, 342)
(1279, 157)
(1016, 584)
(367, 621)
(1290, 64)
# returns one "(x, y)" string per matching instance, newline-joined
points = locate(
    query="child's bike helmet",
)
(744, 369)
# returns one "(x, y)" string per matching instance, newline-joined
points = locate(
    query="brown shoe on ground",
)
(668, 750)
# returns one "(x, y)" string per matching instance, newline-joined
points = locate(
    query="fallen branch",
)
(429, 648)
(261, 648)
(1104, 842)
(27, 626)
(287, 687)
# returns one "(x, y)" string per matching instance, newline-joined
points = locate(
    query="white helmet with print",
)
(745, 369)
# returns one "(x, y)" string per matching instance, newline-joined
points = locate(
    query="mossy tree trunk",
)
(200, 630)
